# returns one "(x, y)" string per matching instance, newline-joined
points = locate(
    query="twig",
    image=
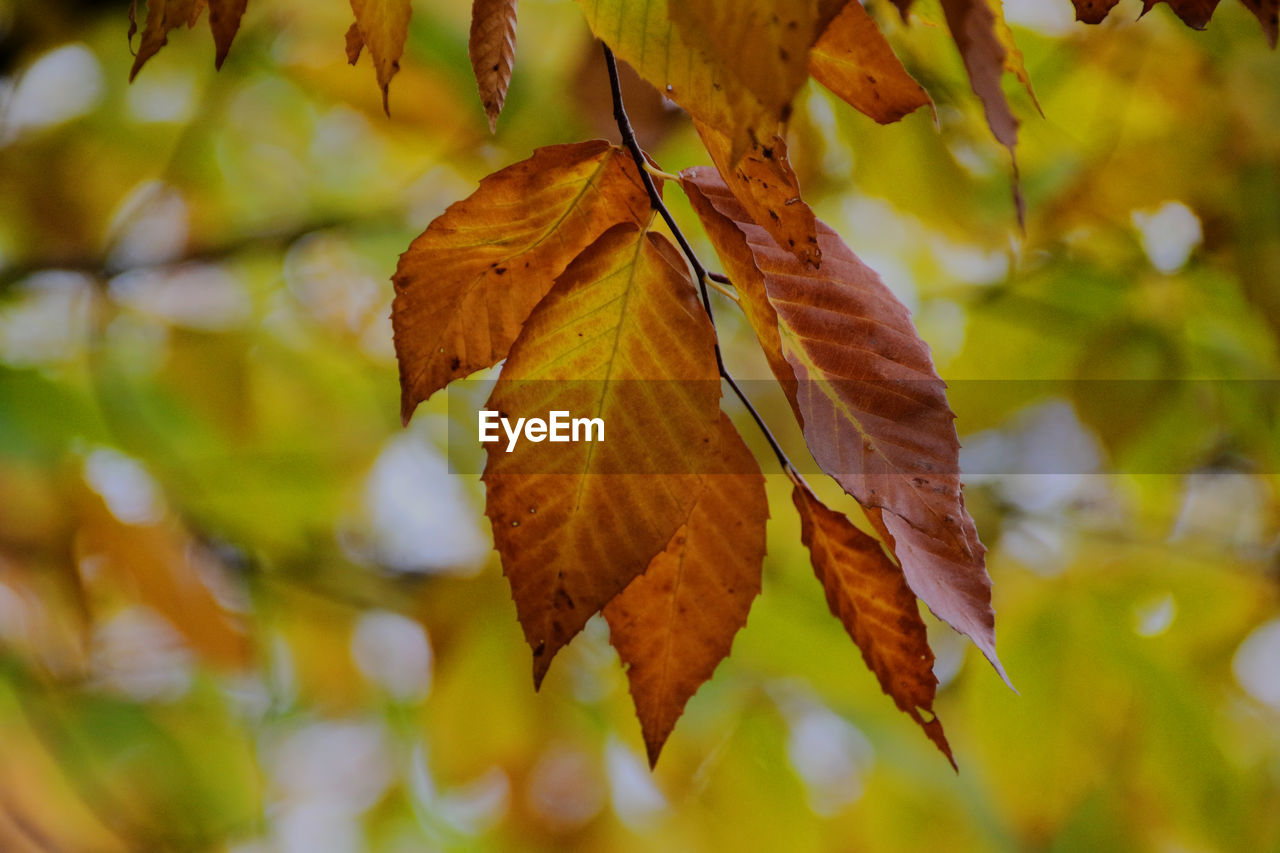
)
(699, 271)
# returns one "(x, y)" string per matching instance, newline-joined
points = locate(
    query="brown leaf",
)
(765, 184)
(867, 592)
(466, 285)
(1093, 11)
(623, 338)
(224, 20)
(384, 28)
(493, 52)
(1268, 14)
(1194, 13)
(974, 28)
(854, 61)
(162, 17)
(873, 410)
(355, 44)
(674, 624)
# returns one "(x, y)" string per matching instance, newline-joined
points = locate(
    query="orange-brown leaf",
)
(621, 337)
(384, 28)
(466, 285)
(873, 410)
(224, 20)
(1268, 14)
(675, 623)
(493, 52)
(974, 28)
(867, 592)
(355, 44)
(1093, 11)
(854, 61)
(162, 17)
(160, 566)
(1194, 13)
(767, 187)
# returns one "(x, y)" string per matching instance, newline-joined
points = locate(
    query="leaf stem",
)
(700, 272)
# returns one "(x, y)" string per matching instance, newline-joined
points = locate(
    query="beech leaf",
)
(384, 28)
(644, 35)
(974, 28)
(224, 20)
(1194, 13)
(674, 624)
(466, 285)
(873, 409)
(1093, 11)
(766, 185)
(867, 592)
(621, 316)
(493, 52)
(163, 16)
(854, 60)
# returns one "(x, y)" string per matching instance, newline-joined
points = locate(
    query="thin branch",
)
(699, 271)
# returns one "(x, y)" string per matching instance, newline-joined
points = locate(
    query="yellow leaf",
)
(675, 623)
(466, 285)
(644, 35)
(867, 592)
(621, 337)
(493, 52)
(854, 61)
(384, 27)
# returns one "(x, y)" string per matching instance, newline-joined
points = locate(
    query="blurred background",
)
(242, 609)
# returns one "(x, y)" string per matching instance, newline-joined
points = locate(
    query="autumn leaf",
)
(873, 409)
(354, 44)
(1093, 11)
(621, 337)
(159, 566)
(384, 28)
(224, 20)
(644, 35)
(1268, 14)
(867, 592)
(466, 285)
(1194, 13)
(493, 52)
(674, 624)
(766, 185)
(973, 27)
(163, 16)
(762, 45)
(854, 61)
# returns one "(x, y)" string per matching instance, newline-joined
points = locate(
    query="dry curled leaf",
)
(493, 52)
(466, 285)
(163, 16)
(621, 337)
(867, 592)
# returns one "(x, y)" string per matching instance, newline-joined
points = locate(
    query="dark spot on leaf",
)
(499, 270)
